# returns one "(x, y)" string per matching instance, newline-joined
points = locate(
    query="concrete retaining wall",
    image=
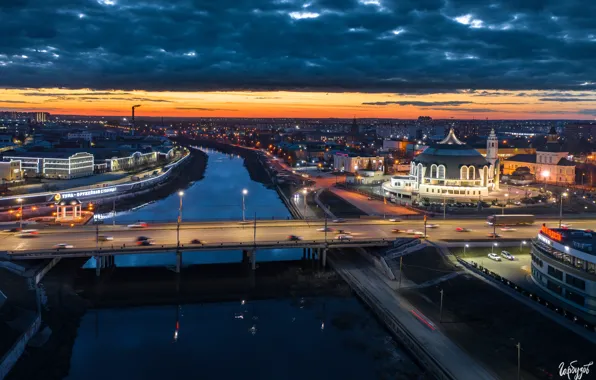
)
(13, 355)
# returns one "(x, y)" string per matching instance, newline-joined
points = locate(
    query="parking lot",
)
(517, 270)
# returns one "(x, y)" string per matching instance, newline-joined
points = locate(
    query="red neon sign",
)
(551, 234)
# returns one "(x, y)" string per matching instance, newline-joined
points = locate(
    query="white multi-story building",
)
(564, 265)
(449, 169)
(135, 160)
(351, 162)
(78, 165)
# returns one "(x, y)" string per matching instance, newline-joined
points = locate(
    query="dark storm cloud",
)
(405, 46)
(13, 101)
(563, 100)
(416, 103)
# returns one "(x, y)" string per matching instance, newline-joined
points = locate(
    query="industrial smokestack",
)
(133, 114)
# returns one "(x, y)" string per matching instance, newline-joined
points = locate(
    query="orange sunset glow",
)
(465, 105)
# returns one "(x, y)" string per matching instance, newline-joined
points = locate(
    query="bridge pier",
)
(253, 259)
(324, 258)
(178, 261)
(303, 253)
(98, 265)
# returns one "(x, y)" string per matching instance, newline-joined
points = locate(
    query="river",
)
(291, 337)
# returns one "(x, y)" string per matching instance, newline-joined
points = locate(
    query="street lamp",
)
(522, 243)
(505, 205)
(20, 200)
(244, 192)
(180, 194)
(466, 246)
(304, 191)
(561, 209)
(494, 245)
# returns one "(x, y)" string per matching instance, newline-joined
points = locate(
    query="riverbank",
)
(181, 177)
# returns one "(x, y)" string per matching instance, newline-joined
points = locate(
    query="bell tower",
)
(492, 156)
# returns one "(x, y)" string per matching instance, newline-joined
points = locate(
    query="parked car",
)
(507, 255)
(494, 256)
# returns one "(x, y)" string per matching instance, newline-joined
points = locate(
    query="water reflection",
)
(276, 339)
(218, 196)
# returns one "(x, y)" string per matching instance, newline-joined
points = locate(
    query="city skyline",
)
(464, 104)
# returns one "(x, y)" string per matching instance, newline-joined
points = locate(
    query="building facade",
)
(549, 165)
(564, 265)
(351, 163)
(87, 136)
(10, 171)
(133, 161)
(78, 165)
(449, 169)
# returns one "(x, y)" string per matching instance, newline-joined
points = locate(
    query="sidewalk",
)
(372, 207)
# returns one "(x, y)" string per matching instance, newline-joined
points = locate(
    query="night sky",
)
(370, 58)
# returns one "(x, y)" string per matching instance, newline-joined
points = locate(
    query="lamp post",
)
(180, 194)
(20, 200)
(304, 191)
(244, 192)
(505, 205)
(561, 209)
(466, 246)
(494, 245)
(441, 308)
(522, 243)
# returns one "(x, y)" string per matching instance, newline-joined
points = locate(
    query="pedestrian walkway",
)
(372, 207)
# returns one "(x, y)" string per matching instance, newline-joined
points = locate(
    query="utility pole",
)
(518, 345)
(325, 229)
(401, 264)
(255, 231)
(444, 206)
(96, 234)
(441, 308)
(114, 212)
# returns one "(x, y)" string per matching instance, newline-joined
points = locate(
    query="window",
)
(575, 298)
(537, 261)
(555, 273)
(433, 171)
(441, 172)
(463, 172)
(554, 287)
(575, 282)
(471, 172)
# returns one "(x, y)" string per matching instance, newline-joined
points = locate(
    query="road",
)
(236, 232)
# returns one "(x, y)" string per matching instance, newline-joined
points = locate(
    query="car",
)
(493, 235)
(419, 234)
(338, 220)
(369, 198)
(508, 229)
(397, 231)
(144, 240)
(565, 225)
(325, 229)
(431, 225)
(395, 220)
(507, 255)
(197, 241)
(28, 234)
(462, 229)
(410, 232)
(138, 225)
(294, 238)
(344, 237)
(63, 246)
(494, 256)
(15, 229)
(105, 238)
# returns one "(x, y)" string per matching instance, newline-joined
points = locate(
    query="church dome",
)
(452, 154)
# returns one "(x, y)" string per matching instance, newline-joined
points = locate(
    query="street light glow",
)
(545, 173)
(181, 193)
(467, 245)
(244, 191)
(564, 194)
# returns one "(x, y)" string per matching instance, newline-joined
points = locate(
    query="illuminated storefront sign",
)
(551, 233)
(87, 193)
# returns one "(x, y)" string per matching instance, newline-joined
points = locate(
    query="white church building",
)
(449, 169)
